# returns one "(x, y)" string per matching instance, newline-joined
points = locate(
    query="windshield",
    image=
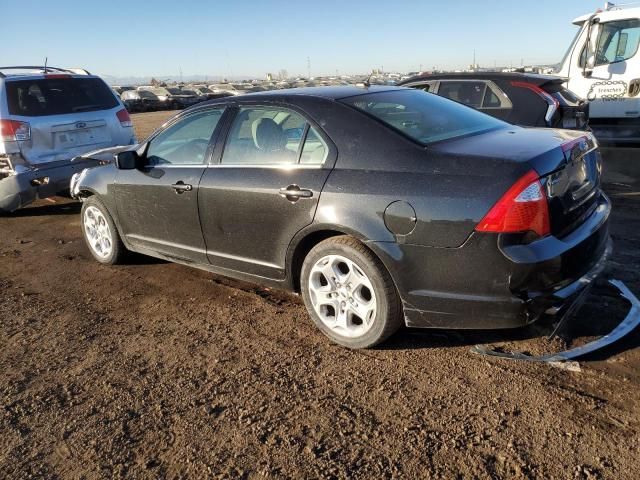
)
(146, 94)
(174, 91)
(188, 92)
(422, 116)
(57, 96)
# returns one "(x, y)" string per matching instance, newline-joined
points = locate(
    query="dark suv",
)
(519, 98)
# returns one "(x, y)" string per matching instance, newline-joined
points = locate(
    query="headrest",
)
(268, 135)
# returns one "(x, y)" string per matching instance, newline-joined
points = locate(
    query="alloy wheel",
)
(342, 295)
(98, 232)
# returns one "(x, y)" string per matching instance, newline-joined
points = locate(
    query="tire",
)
(100, 233)
(361, 287)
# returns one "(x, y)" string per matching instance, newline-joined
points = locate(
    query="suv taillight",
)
(14, 130)
(553, 104)
(523, 208)
(125, 119)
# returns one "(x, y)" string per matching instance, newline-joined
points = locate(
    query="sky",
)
(249, 38)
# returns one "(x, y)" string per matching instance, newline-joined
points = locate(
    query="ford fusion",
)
(383, 206)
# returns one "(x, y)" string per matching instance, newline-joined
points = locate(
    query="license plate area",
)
(79, 138)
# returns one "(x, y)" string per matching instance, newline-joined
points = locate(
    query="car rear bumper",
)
(39, 181)
(487, 284)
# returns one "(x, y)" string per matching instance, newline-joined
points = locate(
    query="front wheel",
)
(349, 293)
(100, 233)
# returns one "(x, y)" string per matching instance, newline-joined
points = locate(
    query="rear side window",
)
(57, 96)
(424, 117)
(270, 136)
(469, 93)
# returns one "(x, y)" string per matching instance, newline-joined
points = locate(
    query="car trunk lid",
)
(568, 163)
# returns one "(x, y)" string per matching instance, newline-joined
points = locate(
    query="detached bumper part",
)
(630, 322)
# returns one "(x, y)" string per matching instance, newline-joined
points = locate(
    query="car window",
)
(618, 41)
(264, 136)
(491, 100)
(185, 142)
(469, 93)
(423, 117)
(314, 151)
(57, 96)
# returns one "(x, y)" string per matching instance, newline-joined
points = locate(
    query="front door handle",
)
(182, 187)
(293, 193)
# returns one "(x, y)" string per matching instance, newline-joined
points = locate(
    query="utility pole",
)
(308, 68)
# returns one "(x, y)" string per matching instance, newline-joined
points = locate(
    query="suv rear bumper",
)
(487, 285)
(39, 181)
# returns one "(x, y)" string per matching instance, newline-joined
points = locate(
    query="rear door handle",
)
(182, 187)
(293, 193)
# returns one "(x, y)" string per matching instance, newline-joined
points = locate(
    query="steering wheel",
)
(194, 150)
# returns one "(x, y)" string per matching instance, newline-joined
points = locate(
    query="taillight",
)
(523, 208)
(14, 130)
(552, 103)
(57, 75)
(125, 119)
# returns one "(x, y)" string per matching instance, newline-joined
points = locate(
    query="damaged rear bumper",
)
(27, 184)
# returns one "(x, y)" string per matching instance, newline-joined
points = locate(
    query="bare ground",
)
(155, 370)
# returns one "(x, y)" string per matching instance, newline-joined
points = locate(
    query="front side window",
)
(469, 93)
(185, 142)
(423, 117)
(618, 41)
(272, 136)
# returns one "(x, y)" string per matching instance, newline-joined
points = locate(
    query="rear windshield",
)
(422, 116)
(57, 96)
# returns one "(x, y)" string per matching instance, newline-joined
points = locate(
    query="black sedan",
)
(520, 98)
(384, 206)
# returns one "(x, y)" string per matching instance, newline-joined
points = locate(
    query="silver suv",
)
(48, 118)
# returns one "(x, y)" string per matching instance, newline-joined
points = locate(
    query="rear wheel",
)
(100, 233)
(349, 294)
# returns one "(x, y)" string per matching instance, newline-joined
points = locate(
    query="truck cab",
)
(602, 65)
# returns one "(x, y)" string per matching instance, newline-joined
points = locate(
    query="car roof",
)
(330, 92)
(36, 72)
(533, 77)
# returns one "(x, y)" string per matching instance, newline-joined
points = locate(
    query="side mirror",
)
(127, 160)
(591, 61)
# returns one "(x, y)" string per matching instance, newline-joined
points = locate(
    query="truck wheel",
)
(349, 293)
(100, 233)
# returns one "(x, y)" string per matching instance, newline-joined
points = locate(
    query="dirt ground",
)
(155, 370)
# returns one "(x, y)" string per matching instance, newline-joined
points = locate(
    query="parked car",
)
(224, 88)
(207, 94)
(48, 117)
(382, 205)
(520, 98)
(172, 98)
(118, 89)
(140, 101)
(193, 93)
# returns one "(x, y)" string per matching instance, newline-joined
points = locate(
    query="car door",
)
(158, 203)
(263, 189)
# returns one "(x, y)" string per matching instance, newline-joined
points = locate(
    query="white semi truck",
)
(602, 65)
